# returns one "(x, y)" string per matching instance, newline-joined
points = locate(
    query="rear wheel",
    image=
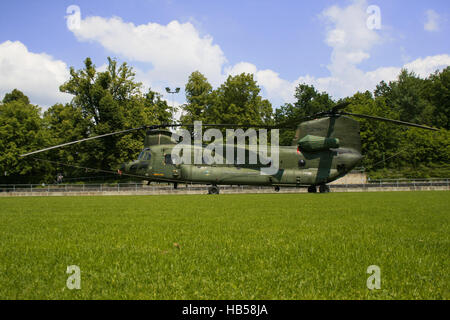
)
(312, 189)
(213, 190)
(277, 188)
(323, 188)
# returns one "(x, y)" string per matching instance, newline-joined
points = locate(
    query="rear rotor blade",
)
(339, 107)
(388, 120)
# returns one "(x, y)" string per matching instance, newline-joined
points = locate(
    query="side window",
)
(168, 159)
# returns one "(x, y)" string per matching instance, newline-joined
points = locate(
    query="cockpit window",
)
(168, 159)
(145, 155)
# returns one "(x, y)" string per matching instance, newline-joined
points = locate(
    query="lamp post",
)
(173, 95)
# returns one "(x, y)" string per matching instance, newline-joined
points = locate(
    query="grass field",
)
(249, 246)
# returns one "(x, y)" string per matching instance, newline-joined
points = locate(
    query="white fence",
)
(160, 188)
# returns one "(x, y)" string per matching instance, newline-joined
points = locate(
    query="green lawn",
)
(249, 246)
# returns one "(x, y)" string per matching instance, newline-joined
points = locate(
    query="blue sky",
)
(324, 43)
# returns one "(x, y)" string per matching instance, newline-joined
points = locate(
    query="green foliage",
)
(273, 246)
(16, 95)
(112, 101)
(66, 123)
(438, 94)
(237, 101)
(410, 152)
(379, 140)
(21, 129)
(439, 170)
(425, 101)
(198, 96)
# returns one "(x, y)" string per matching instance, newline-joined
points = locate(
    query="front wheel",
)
(312, 189)
(323, 188)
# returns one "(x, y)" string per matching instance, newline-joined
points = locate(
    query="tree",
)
(112, 101)
(158, 109)
(238, 101)
(21, 131)
(16, 95)
(66, 123)
(198, 97)
(406, 96)
(438, 93)
(379, 140)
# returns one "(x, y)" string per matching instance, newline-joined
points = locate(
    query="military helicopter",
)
(326, 146)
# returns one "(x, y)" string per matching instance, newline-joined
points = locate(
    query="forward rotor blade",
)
(81, 140)
(388, 120)
(229, 125)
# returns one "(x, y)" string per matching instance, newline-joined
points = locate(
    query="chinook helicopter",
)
(326, 146)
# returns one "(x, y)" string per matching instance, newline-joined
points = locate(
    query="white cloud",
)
(432, 23)
(241, 67)
(175, 50)
(37, 75)
(423, 67)
(351, 42)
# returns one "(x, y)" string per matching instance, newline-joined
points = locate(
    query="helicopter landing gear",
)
(312, 189)
(175, 185)
(213, 189)
(323, 188)
(277, 188)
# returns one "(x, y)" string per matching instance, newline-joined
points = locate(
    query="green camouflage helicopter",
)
(327, 146)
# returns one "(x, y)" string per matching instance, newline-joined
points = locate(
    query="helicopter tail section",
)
(331, 132)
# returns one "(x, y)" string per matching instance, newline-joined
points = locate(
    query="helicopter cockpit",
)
(145, 155)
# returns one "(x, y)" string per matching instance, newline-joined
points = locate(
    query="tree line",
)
(112, 100)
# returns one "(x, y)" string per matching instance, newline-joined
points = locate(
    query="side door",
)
(167, 168)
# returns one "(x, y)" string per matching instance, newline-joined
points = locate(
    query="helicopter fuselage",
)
(295, 168)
